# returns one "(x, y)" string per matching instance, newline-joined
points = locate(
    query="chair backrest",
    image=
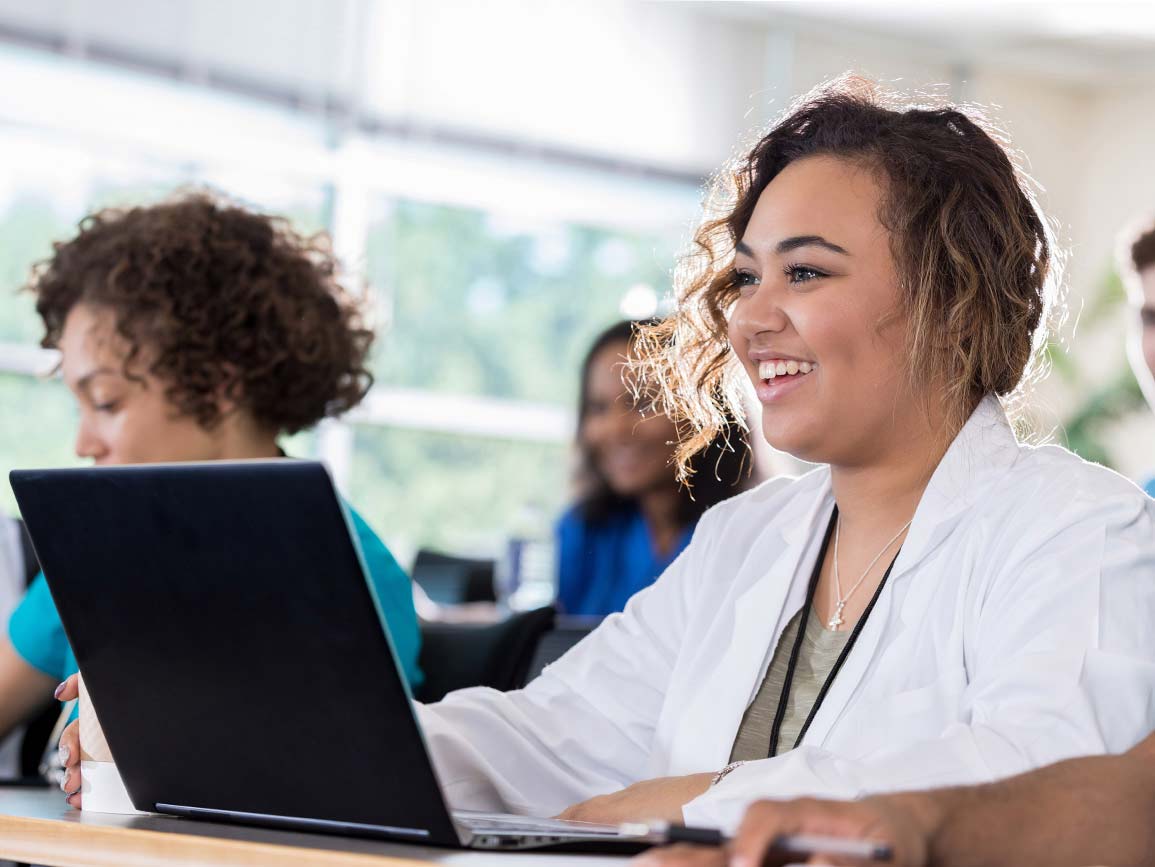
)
(498, 655)
(567, 632)
(451, 580)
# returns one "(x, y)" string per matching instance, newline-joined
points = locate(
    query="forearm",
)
(1081, 812)
(23, 689)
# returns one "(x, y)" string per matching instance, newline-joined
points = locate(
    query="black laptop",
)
(237, 657)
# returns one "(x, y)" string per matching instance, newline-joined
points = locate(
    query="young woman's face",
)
(123, 420)
(633, 451)
(816, 324)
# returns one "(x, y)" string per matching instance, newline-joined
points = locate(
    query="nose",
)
(759, 312)
(89, 443)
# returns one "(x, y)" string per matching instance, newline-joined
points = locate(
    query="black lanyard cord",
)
(796, 650)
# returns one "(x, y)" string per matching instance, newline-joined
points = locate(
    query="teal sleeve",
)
(37, 634)
(395, 593)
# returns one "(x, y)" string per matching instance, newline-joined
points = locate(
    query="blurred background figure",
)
(1137, 264)
(632, 517)
(192, 330)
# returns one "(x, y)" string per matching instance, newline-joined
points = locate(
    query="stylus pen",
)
(787, 844)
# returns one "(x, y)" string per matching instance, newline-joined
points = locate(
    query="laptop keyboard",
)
(508, 823)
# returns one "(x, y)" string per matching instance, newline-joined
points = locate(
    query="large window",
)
(483, 304)
(487, 278)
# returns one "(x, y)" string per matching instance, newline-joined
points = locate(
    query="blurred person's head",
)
(875, 268)
(1137, 265)
(627, 448)
(198, 330)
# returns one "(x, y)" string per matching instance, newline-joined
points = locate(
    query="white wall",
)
(641, 81)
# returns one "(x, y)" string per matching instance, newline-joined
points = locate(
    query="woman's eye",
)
(106, 406)
(596, 407)
(802, 273)
(745, 279)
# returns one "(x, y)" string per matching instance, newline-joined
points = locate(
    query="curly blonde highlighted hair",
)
(976, 260)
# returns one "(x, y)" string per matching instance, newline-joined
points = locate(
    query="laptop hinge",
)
(296, 823)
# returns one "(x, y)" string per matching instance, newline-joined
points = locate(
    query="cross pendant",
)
(836, 618)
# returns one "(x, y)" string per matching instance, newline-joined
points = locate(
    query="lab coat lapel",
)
(983, 449)
(775, 574)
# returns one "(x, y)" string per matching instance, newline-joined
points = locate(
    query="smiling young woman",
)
(937, 603)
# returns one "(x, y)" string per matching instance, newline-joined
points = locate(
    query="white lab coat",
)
(1017, 629)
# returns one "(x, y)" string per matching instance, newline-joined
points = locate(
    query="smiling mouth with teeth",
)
(774, 369)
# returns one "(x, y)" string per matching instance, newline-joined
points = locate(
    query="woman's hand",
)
(70, 745)
(660, 799)
(893, 821)
(684, 855)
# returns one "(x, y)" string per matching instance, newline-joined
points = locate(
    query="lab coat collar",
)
(982, 452)
(780, 564)
(984, 448)
(771, 569)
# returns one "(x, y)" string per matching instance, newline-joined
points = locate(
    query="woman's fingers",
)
(763, 823)
(681, 855)
(70, 746)
(70, 758)
(68, 690)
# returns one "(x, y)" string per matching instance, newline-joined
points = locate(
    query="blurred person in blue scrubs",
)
(632, 518)
(1137, 264)
(194, 330)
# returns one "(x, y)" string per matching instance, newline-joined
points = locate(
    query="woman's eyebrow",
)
(788, 244)
(793, 243)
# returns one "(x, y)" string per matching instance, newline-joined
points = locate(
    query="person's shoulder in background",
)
(37, 635)
(395, 593)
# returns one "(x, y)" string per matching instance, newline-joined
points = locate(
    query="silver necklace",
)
(840, 601)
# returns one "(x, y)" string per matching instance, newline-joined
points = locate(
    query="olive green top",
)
(816, 658)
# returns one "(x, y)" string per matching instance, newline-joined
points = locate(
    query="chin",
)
(800, 444)
(627, 490)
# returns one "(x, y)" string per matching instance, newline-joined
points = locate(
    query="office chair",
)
(567, 632)
(457, 655)
(451, 580)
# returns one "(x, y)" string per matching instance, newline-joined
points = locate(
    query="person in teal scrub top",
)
(194, 330)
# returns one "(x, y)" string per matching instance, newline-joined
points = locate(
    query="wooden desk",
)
(37, 827)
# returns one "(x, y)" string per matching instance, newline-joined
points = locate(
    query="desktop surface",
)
(36, 826)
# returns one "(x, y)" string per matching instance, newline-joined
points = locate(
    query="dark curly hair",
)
(721, 470)
(976, 259)
(219, 301)
(1138, 247)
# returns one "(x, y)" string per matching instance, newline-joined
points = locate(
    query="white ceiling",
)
(1096, 43)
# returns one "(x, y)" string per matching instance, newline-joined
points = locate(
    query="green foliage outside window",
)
(453, 493)
(1104, 405)
(481, 308)
(37, 428)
